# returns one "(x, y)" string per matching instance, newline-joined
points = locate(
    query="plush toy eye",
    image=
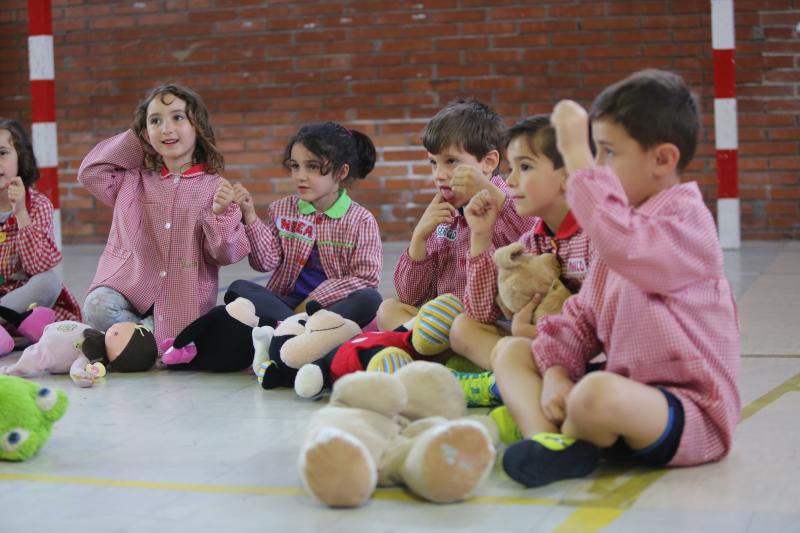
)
(301, 322)
(12, 440)
(46, 399)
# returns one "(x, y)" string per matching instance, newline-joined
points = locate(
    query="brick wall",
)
(385, 67)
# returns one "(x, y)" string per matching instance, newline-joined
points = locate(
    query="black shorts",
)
(663, 450)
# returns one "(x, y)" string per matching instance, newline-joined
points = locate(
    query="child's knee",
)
(461, 332)
(593, 399)
(105, 307)
(513, 353)
(388, 313)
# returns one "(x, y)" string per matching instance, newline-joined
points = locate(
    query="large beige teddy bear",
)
(390, 429)
(520, 275)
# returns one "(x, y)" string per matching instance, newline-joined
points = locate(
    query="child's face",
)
(444, 165)
(8, 160)
(321, 190)
(170, 132)
(536, 187)
(625, 157)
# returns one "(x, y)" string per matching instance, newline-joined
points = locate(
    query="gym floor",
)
(165, 451)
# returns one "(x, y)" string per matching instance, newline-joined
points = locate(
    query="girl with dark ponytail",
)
(318, 243)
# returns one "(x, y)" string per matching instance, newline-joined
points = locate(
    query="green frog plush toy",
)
(27, 413)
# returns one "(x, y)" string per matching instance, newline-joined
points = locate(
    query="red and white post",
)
(725, 125)
(43, 103)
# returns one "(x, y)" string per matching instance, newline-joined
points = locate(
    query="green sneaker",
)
(480, 389)
(509, 431)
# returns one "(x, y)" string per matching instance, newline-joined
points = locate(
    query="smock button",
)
(162, 273)
(167, 225)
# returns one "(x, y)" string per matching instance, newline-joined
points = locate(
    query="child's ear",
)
(667, 156)
(343, 172)
(562, 176)
(490, 162)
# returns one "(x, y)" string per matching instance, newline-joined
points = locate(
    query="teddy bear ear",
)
(508, 256)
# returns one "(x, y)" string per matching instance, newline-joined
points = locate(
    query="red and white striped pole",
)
(43, 103)
(725, 126)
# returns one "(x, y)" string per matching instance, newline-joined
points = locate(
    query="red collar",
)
(569, 227)
(196, 170)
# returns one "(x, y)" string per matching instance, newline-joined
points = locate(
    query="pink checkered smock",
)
(657, 302)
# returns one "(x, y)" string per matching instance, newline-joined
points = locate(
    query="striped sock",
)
(389, 360)
(431, 333)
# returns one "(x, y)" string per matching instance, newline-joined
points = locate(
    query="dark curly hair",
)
(26, 161)
(336, 146)
(205, 150)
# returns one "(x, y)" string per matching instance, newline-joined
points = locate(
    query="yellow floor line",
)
(594, 515)
(591, 515)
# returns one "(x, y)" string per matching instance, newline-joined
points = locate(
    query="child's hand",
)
(438, 212)
(467, 180)
(16, 195)
(223, 197)
(556, 386)
(481, 213)
(571, 123)
(244, 200)
(522, 322)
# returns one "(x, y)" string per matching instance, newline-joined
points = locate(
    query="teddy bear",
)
(407, 428)
(219, 341)
(521, 275)
(85, 353)
(300, 339)
(27, 414)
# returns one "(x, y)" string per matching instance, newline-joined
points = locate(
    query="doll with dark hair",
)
(86, 353)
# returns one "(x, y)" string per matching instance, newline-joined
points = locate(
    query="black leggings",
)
(359, 306)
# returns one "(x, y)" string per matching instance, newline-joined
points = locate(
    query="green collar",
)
(337, 210)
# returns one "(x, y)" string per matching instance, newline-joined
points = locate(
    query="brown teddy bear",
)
(389, 429)
(521, 275)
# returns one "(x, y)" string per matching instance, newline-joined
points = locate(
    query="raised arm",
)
(106, 166)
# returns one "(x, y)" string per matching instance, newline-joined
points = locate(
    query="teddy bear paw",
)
(338, 469)
(448, 462)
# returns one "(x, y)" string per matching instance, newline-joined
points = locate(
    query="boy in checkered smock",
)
(174, 221)
(28, 251)
(319, 244)
(464, 142)
(656, 301)
(538, 184)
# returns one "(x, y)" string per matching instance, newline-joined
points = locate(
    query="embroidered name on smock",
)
(576, 267)
(295, 227)
(444, 232)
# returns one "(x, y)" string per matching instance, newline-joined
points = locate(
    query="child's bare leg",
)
(604, 406)
(474, 340)
(393, 313)
(521, 385)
